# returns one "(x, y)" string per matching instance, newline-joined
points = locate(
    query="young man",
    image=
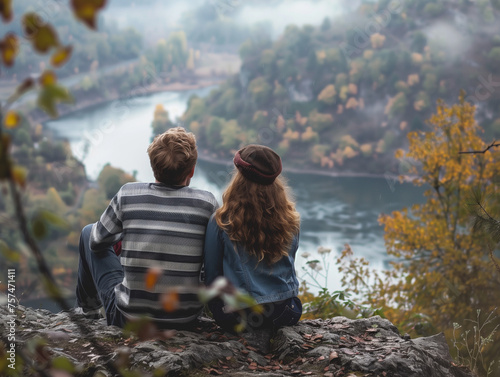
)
(162, 228)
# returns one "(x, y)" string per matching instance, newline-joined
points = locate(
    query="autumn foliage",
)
(441, 271)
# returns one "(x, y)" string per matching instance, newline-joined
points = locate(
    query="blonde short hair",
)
(173, 155)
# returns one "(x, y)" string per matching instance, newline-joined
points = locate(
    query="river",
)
(334, 210)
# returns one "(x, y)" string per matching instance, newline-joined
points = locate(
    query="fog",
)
(156, 18)
(153, 19)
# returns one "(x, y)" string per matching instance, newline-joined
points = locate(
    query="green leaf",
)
(42, 36)
(62, 363)
(39, 228)
(45, 39)
(50, 95)
(31, 23)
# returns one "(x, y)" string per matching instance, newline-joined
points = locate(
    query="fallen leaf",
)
(333, 355)
(317, 337)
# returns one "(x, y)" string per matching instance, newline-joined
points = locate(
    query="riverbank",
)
(37, 116)
(204, 155)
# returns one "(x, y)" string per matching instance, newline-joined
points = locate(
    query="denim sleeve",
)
(213, 252)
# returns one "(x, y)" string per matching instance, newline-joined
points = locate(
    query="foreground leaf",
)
(61, 56)
(6, 10)
(50, 96)
(19, 174)
(9, 47)
(86, 10)
(11, 119)
(42, 36)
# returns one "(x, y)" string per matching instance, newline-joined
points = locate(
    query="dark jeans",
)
(98, 274)
(274, 315)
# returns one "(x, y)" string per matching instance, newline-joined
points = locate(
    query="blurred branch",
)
(48, 280)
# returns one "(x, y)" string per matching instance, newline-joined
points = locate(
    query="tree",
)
(260, 90)
(111, 179)
(319, 121)
(442, 271)
(44, 39)
(328, 94)
(161, 121)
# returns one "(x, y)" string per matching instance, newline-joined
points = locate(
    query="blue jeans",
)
(274, 315)
(98, 274)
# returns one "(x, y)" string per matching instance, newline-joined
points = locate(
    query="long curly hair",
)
(262, 218)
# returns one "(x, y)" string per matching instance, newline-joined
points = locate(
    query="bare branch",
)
(492, 145)
(494, 261)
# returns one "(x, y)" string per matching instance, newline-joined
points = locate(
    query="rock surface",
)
(333, 347)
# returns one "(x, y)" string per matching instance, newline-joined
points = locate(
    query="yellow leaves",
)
(301, 120)
(328, 94)
(61, 56)
(48, 78)
(413, 79)
(9, 48)
(309, 135)
(352, 103)
(280, 123)
(19, 174)
(320, 56)
(11, 119)
(86, 10)
(399, 153)
(417, 58)
(368, 54)
(291, 135)
(366, 149)
(377, 40)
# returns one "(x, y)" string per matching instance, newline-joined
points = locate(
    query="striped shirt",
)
(161, 227)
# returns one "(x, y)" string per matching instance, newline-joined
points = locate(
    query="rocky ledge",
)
(333, 347)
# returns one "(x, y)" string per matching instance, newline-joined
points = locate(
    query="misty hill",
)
(343, 95)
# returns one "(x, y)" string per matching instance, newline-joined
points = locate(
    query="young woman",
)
(252, 241)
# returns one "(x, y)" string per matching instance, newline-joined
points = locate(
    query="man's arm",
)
(108, 230)
(213, 252)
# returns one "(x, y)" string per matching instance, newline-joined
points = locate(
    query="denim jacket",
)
(264, 282)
